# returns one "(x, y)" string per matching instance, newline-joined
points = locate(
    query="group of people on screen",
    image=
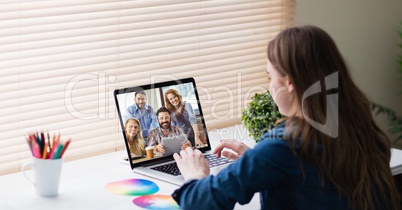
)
(176, 118)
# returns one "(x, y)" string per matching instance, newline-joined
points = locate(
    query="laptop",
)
(163, 166)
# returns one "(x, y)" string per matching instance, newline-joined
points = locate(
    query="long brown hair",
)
(354, 153)
(178, 111)
(136, 145)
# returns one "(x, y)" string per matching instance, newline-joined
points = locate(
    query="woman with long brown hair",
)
(183, 115)
(327, 153)
(135, 141)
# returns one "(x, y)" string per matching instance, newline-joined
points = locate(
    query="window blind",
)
(61, 60)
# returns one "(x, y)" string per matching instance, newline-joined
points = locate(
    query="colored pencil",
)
(41, 146)
(65, 147)
(58, 151)
(44, 152)
(29, 144)
(54, 147)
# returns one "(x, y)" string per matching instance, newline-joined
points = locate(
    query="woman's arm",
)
(193, 121)
(196, 136)
(266, 166)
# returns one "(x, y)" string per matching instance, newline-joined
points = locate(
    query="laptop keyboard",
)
(172, 168)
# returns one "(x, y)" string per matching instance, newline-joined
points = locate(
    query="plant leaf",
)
(260, 115)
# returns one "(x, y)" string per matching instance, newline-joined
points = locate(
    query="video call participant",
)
(165, 129)
(183, 116)
(136, 142)
(143, 112)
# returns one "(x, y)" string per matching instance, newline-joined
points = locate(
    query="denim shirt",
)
(271, 169)
(147, 117)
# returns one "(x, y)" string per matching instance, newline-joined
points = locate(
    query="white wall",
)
(365, 31)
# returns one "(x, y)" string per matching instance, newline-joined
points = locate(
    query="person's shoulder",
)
(188, 104)
(149, 107)
(177, 128)
(132, 107)
(276, 133)
(273, 139)
(153, 132)
(274, 149)
(276, 140)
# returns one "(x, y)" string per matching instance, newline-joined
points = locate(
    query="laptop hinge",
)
(157, 162)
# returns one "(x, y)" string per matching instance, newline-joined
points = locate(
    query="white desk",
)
(83, 181)
(396, 161)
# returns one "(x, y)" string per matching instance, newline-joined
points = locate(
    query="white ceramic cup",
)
(46, 175)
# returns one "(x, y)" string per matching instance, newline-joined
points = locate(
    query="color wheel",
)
(135, 187)
(162, 202)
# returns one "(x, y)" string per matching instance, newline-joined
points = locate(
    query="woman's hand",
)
(192, 164)
(237, 146)
(185, 145)
(198, 142)
(159, 148)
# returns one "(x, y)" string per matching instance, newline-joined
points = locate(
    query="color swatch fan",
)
(132, 187)
(159, 202)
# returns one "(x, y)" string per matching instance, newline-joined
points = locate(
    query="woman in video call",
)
(136, 142)
(183, 116)
(324, 154)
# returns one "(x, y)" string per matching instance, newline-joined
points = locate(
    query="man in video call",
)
(165, 129)
(143, 112)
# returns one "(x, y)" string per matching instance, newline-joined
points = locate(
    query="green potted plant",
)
(260, 115)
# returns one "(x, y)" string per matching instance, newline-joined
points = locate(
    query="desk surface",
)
(83, 181)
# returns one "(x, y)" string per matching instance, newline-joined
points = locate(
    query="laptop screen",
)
(152, 112)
